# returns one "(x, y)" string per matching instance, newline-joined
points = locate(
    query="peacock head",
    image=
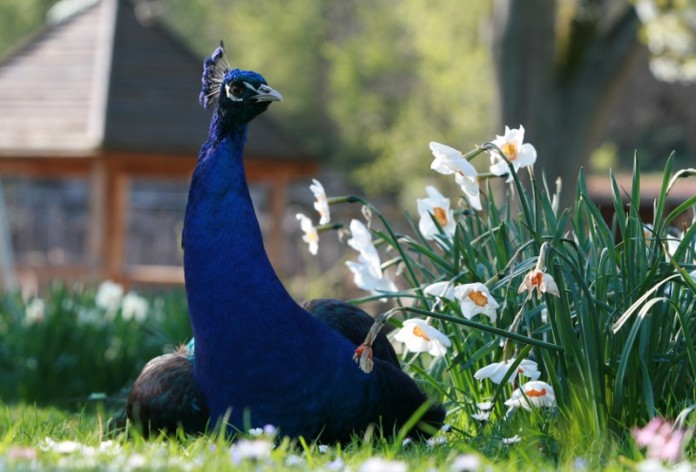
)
(240, 95)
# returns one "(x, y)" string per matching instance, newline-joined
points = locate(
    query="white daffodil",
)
(497, 370)
(134, 307)
(364, 278)
(109, 296)
(476, 298)
(541, 281)
(440, 290)
(450, 161)
(435, 207)
(470, 187)
(367, 271)
(534, 393)
(361, 241)
(512, 144)
(419, 336)
(311, 236)
(321, 204)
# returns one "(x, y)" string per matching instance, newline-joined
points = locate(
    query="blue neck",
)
(253, 342)
(225, 263)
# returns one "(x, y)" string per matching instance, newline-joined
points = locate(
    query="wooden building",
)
(107, 94)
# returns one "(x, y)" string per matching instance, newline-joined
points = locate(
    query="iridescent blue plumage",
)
(260, 358)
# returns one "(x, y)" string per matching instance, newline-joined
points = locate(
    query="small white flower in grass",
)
(435, 207)
(35, 311)
(250, 449)
(440, 290)
(475, 299)
(321, 204)
(293, 460)
(466, 463)
(534, 393)
(481, 416)
(512, 144)
(435, 442)
(377, 464)
(134, 307)
(419, 336)
(311, 236)
(450, 161)
(336, 464)
(513, 440)
(109, 295)
(497, 370)
(61, 447)
(485, 406)
(323, 448)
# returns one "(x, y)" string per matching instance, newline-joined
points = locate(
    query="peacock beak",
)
(267, 94)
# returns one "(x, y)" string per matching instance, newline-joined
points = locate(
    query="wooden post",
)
(114, 229)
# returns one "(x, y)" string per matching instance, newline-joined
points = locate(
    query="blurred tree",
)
(404, 73)
(369, 83)
(561, 66)
(20, 18)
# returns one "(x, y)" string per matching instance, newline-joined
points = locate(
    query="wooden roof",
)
(97, 78)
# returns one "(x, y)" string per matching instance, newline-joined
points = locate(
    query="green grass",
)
(46, 438)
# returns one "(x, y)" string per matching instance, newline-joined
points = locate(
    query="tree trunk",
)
(563, 98)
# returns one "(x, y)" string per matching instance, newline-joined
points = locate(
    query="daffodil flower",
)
(311, 236)
(321, 204)
(497, 370)
(534, 393)
(539, 280)
(367, 270)
(419, 336)
(440, 290)
(476, 298)
(518, 153)
(364, 278)
(361, 241)
(450, 161)
(435, 207)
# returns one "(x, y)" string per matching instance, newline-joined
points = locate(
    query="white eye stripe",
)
(250, 87)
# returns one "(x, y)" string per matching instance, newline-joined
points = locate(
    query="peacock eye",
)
(234, 91)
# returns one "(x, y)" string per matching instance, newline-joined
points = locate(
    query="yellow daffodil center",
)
(440, 216)
(478, 298)
(419, 333)
(536, 278)
(510, 150)
(536, 393)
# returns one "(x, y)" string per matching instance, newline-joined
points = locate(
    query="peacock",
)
(260, 358)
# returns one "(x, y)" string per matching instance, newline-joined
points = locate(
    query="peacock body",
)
(260, 358)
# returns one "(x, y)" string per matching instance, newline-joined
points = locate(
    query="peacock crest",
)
(215, 68)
